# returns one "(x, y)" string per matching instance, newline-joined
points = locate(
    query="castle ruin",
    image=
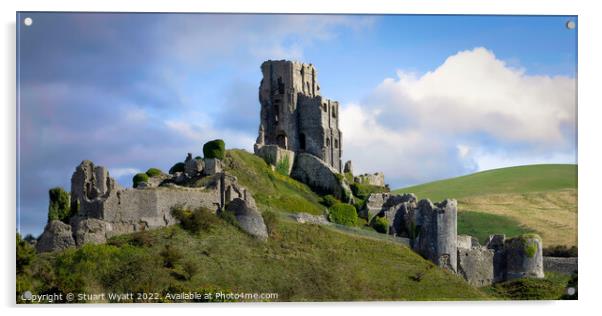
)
(294, 116)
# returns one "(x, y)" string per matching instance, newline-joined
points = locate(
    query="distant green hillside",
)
(521, 179)
(535, 198)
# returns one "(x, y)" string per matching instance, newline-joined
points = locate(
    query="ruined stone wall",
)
(437, 240)
(377, 179)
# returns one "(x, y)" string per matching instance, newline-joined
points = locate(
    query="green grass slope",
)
(511, 201)
(521, 179)
(271, 190)
(300, 262)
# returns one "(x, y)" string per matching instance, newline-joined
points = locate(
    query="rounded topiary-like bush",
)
(342, 213)
(178, 167)
(380, 224)
(153, 172)
(139, 178)
(214, 149)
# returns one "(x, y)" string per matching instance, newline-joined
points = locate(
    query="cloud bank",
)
(472, 112)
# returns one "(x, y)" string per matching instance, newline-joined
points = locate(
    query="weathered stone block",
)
(320, 177)
(89, 230)
(276, 156)
(475, 265)
(56, 236)
(212, 166)
(249, 219)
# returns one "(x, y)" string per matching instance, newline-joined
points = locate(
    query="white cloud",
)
(472, 112)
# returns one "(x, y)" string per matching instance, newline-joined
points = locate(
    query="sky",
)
(422, 97)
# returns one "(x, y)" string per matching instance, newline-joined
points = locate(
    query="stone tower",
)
(294, 116)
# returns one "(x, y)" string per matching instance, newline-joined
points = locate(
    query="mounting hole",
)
(570, 25)
(28, 21)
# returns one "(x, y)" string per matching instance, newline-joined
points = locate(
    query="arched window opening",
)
(336, 143)
(282, 141)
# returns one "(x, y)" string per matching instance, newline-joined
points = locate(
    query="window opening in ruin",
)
(327, 142)
(336, 143)
(324, 107)
(334, 114)
(276, 112)
(280, 86)
(282, 141)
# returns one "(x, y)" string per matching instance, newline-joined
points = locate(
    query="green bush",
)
(25, 254)
(342, 213)
(178, 167)
(560, 251)
(139, 178)
(214, 149)
(198, 158)
(195, 221)
(59, 207)
(229, 218)
(283, 166)
(364, 190)
(380, 224)
(153, 172)
(329, 200)
(271, 220)
(171, 256)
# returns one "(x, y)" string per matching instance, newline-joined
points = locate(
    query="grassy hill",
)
(300, 262)
(534, 198)
(521, 179)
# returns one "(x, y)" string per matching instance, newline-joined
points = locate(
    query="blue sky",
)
(423, 97)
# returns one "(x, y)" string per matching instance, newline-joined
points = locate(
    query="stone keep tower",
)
(293, 114)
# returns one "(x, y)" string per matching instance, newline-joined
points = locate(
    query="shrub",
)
(271, 220)
(141, 239)
(59, 207)
(25, 254)
(380, 224)
(214, 149)
(560, 251)
(283, 166)
(139, 178)
(190, 269)
(153, 172)
(198, 158)
(342, 213)
(171, 256)
(200, 219)
(364, 190)
(229, 218)
(329, 200)
(178, 167)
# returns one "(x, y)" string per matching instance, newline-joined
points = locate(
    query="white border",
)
(589, 144)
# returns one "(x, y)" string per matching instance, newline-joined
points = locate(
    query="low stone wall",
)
(377, 179)
(560, 265)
